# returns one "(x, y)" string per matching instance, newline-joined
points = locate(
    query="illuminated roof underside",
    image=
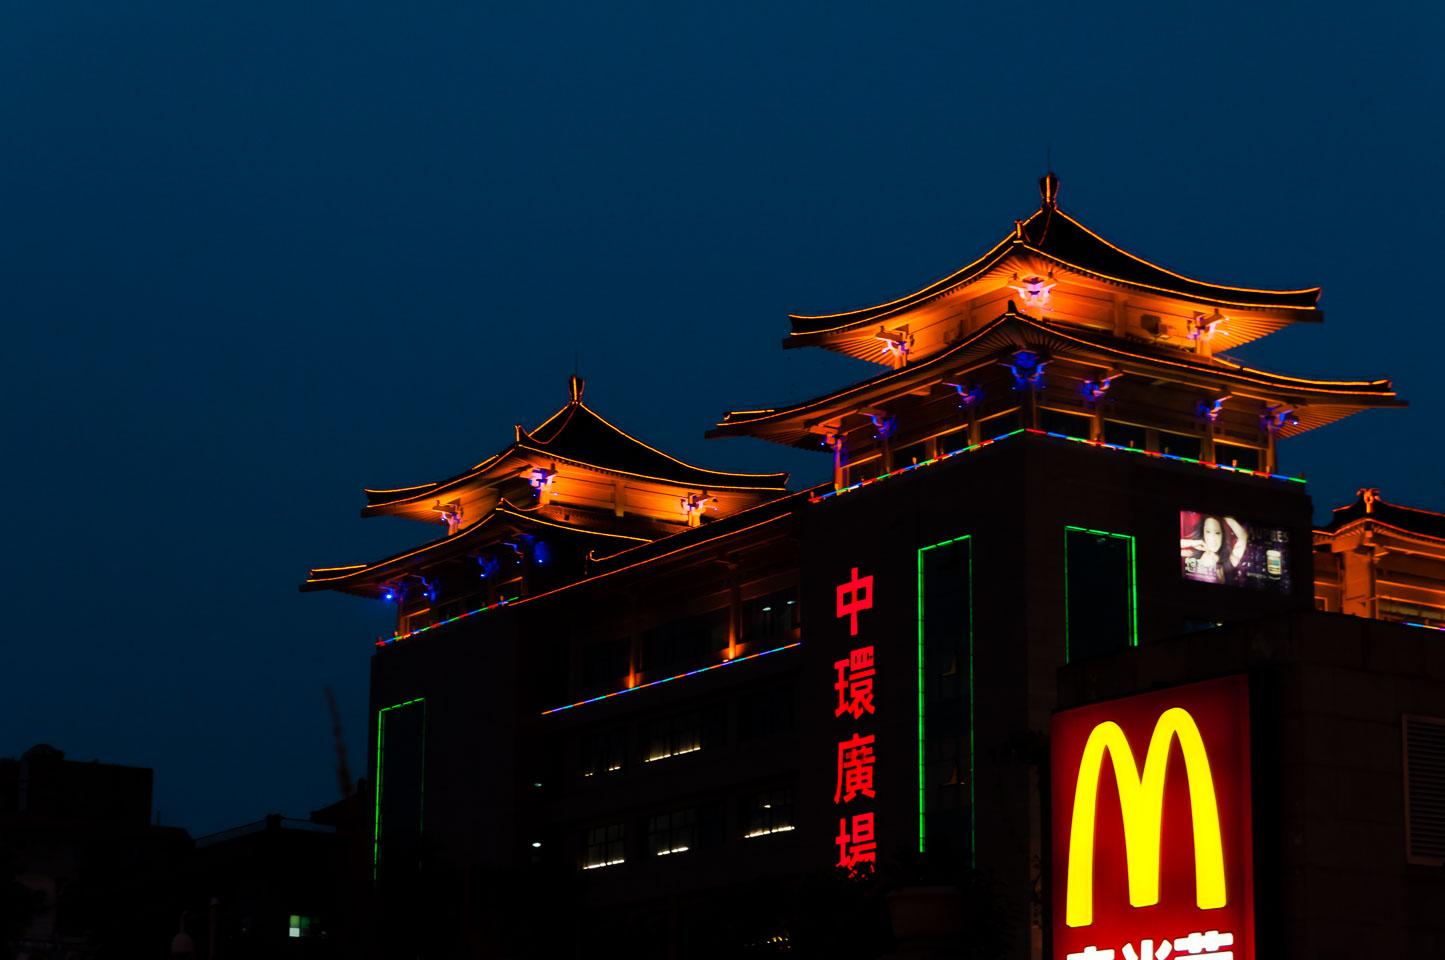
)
(1052, 242)
(369, 579)
(574, 435)
(1315, 402)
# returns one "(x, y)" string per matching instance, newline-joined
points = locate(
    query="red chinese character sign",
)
(1152, 852)
(854, 788)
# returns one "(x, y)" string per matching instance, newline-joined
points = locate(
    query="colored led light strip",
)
(460, 616)
(1169, 456)
(618, 693)
(913, 466)
(1061, 436)
(380, 750)
(1425, 625)
(922, 776)
(1133, 584)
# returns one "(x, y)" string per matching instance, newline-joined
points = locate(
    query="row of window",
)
(690, 642)
(683, 830)
(1116, 432)
(759, 713)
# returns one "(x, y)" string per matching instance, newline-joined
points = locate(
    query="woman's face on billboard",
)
(1213, 534)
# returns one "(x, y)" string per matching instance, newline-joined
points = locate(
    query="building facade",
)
(669, 704)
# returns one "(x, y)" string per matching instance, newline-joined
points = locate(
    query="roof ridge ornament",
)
(574, 387)
(1049, 190)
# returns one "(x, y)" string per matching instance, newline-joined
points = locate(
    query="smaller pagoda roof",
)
(1051, 235)
(367, 579)
(1369, 507)
(1322, 401)
(578, 435)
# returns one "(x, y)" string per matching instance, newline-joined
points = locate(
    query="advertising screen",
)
(1214, 548)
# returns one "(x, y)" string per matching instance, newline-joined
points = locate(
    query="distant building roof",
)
(1368, 506)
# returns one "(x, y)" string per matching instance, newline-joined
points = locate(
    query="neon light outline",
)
(380, 749)
(922, 779)
(653, 683)
(1133, 584)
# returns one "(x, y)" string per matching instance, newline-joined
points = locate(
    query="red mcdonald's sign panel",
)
(1152, 854)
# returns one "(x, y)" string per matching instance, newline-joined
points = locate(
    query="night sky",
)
(256, 260)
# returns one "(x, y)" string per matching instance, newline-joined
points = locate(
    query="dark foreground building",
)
(633, 702)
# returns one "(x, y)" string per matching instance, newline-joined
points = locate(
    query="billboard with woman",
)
(1217, 549)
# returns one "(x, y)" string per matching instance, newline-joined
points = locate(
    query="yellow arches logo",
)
(1142, 801)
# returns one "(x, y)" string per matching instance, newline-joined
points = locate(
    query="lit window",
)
(670, 833)
(304, 926)
(604, 847)
(771, 616)
(674, 736)
(604, 753)
(768, 813)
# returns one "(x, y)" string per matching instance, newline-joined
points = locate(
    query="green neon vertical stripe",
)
(1133, 584)
(922, 770)
(380, 757)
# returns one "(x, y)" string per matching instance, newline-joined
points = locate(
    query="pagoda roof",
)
(1319, 401)
(578, 435)
(1054, 237)
(367, 579)
(1369, 507)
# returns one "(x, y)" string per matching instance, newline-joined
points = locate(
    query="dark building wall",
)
(1014, 501)
(1328, 694)
(486, 680)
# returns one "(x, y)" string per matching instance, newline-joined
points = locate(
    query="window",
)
(1124, 435)
(306, 927)
(1179, 445)
(674, 832)
(400, 758)
(1233, 455)
(950, 795)
(1425, 790)
(1099, 593)
(603, 753)
(945, 696)
(416, 619)
(1410, 612)
(1069, 424)
(766, 713)
(866, 470)
(461, 605)
(679, 734)
(768, 812)
(771, 617)
(685, 643)
(951, 441)
(604, 664)
(604, 847)
(909, 455)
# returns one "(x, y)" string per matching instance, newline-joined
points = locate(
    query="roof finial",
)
(574, 385)
(1049, 189)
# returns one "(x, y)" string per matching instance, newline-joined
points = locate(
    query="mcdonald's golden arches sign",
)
(1151, 826)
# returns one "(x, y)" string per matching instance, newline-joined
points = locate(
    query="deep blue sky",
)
(257, 259)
